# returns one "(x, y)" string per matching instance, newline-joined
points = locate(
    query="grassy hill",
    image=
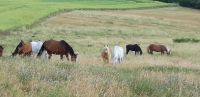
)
(18, 13)
(177, 75)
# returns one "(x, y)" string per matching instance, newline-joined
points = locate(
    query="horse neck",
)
(71, 51)
(67, 47)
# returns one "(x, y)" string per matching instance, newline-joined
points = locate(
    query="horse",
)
(23, 48)
(59, 48)
(158, 48)
(117, 54)
(36, 46)
(105, 54)
(133, 47)
(1, 51)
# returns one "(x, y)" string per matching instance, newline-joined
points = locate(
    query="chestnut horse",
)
(59, 48)
(1, 50)
(158, 48)
(23, 48)
(105, 54)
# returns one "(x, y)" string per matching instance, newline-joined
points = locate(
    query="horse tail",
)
(41, 50)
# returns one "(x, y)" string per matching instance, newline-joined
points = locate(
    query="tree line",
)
(185, 3)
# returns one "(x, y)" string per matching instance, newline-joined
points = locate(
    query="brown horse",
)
(105, 54)
(23, 48)
(158, 48)
(59, 48)
(1, 50)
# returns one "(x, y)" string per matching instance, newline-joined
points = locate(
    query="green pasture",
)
(18, 13)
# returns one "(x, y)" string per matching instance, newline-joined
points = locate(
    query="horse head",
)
(74, 57)
(19, 48)
(168, 51)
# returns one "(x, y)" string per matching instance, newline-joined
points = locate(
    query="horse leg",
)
(50, 56)
(127, 52)
(103, 60)
(61, 57)
(119, 60)
(162, 52)
(114, 60)
(151, 52)
(67, 56)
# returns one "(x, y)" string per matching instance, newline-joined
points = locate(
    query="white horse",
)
(117, 54)
(36, 46)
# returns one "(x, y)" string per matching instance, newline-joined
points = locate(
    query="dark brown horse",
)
(133, 47)
(1, 50)
(59, 48)
(23, 48)
(158, 48)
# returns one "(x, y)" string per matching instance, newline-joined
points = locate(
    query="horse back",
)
(157, 48)
(134, 47)
(118, 52)
(54, 47)
(27, 48)
(163, 47)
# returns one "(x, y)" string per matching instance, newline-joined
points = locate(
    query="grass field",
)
(19, 13)
(177, 75)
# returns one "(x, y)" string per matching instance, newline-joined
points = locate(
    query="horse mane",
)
(67, 46)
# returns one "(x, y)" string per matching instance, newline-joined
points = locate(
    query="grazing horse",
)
(105, 54)
(133, 47)
(59, 48)
(117, 54)
(1, 50)
(23, 48)
(158, 48)
(36, 46)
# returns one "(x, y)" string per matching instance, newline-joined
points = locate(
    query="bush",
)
(168, 1)
(183, 40)
(185, 3)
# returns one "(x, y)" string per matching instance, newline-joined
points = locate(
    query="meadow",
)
(87, 31)
(18, 13)
(177, 75)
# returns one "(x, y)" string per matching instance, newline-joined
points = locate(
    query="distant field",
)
(18, 13)
(177, 75)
